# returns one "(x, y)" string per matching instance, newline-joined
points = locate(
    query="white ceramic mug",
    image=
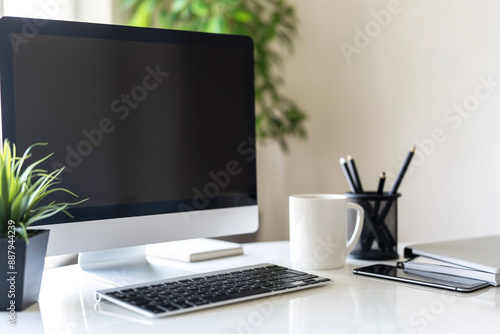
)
(318, 225)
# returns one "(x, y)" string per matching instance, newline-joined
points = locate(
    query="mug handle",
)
(358, 228)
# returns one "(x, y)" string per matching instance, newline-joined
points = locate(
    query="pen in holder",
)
(379, 237)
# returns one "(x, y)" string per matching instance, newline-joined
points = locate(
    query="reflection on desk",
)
(350, 305)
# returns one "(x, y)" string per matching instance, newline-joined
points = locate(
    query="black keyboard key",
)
(303, 278)
(239, 294)
(197, 302)
(168, 307)
(320, 280)
(296, 272)
(134, 298)
(152, 308)
(140, 302)
(182, 304)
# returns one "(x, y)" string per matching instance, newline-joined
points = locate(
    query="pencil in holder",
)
(379, 237)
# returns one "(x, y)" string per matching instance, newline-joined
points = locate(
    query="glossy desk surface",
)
(350, 305)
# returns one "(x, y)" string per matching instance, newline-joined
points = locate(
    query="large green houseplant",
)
(24, 189)
(272, 26)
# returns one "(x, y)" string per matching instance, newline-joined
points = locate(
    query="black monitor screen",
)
(144, 121)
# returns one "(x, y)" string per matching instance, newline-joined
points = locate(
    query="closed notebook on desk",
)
(425, 266)
(482, 253)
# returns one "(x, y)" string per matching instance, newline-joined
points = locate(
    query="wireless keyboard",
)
(195, 292)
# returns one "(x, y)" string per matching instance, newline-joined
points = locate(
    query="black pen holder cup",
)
(379, 237)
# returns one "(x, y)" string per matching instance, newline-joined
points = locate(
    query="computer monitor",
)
(155, 127)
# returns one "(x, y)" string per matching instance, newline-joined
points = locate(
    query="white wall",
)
(400, 89)
(100, 11)
(51, 9)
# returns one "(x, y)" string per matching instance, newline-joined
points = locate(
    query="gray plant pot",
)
(21, 273)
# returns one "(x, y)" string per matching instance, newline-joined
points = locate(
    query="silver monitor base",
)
(125, 266)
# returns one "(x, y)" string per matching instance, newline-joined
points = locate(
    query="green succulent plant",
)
(272, 26)
(22, 189)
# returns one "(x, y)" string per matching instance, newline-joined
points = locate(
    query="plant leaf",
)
(242, 15)
(141, 17)
(24, 187)
(200, 8)
(179, 5)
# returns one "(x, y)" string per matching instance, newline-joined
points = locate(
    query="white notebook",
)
(434, 268)
(194, 249)
(481, 253)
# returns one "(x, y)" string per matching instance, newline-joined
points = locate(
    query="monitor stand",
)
(124, 266)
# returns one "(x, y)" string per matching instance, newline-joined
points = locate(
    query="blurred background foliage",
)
(272, 26)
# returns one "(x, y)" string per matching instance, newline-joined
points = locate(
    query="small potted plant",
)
(24, 189)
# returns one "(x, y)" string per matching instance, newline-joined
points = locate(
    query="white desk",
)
(350, 305)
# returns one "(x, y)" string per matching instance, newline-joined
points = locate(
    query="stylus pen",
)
(348, 176)
(396, 185)
(380, 191)
(394, 190)
(402, 172)
(354, 172)
(381, 182)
